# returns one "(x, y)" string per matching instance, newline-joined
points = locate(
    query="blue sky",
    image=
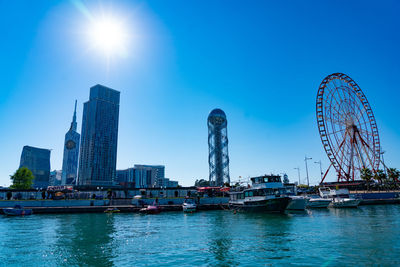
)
(259, 61)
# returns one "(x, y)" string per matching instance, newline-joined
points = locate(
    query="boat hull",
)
(150, 210)
(297, 203)
(272, 205)
(348, 203)
(112, 211)
(17, 212)
(318, 204)
(189, 208)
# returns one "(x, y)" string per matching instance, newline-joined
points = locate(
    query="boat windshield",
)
(264, 192)
(273, 179)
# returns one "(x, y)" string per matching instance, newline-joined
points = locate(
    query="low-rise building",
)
(166, 183)
(55, 178)
(126, 178)
(144, 176)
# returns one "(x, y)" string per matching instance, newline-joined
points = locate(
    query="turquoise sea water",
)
(369, 235)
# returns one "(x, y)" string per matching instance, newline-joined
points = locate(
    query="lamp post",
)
(298, 171)
(320, 167)
(383, 161)
(305, 159)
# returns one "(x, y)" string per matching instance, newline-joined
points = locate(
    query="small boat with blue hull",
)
(17, 210)
(267, 194)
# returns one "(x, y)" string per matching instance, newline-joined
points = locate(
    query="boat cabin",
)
(327, 192)
(262, 186)
(267, 181)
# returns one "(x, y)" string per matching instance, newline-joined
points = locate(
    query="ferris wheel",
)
(347, 127)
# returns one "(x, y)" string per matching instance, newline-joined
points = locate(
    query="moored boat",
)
(112, 210)
(267, 194)
(296, 203)
(189, 205)
(318, 202)
(151, 209)
(340, 198)
(17, 210)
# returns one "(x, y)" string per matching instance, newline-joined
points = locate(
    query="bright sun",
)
(108, 35)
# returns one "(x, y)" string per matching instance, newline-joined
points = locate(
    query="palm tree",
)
(381, 177)
(366, 175)
(393, 175)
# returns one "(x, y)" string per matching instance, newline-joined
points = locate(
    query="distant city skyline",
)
(261, 63)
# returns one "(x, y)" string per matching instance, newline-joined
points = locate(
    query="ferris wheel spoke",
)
(340, 117)
(341, 150)
(366, 134)
(350, 93)
(364, 146)
(342, 97)
(361, 113)
(337, 131)
(335, 121)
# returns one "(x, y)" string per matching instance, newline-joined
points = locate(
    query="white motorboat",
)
(340, 197)
(318, 202)
(267, 194)
(189, 205)
(339, 202)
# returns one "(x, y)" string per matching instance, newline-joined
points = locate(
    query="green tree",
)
(366, 175)
(393, 175)
(22, 179)
(202, 183)
(381, 177)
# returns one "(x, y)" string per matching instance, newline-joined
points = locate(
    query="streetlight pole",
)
(298, 171)
(305, 159)
(383, 160)
(320, 167)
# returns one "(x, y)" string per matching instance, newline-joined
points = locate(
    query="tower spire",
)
(73, 123)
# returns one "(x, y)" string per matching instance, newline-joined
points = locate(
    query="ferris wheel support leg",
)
(323, 178)
(366, 152)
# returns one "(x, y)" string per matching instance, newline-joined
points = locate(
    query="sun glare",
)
(109, 36)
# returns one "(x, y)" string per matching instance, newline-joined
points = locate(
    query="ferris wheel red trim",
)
(329, 111)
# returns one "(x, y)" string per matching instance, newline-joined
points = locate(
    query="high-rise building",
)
(148, 175)
(71, 153)
(98, 154)
(38, 161)
(218, 158)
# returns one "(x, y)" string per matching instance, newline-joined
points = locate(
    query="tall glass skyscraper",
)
(98, 155)
(218, 158)
(71, 153)
(38, 161)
